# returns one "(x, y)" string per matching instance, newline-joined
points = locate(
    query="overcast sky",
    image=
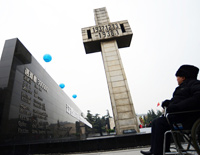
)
(166, 34)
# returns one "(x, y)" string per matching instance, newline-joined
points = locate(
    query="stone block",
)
(114, 68)
(103, 21)
(117, 78)
(125, 115)
(111, 53)
(109, 49)
(122, 102)
(115, 73)
(119, 89)
(121, 95)
(113, 63)
(111, 58)
(100, 18)
(109, 44)
(124, 108)
(126, 122)
(118, 84)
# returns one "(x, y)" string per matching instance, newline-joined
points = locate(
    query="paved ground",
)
(118, 152)
(135, 151)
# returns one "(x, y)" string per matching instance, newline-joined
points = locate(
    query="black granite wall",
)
(33, 108)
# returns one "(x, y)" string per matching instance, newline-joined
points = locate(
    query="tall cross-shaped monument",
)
(107, 37)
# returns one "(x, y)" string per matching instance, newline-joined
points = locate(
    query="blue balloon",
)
(47, 57)
(74, 96)
(62, 85)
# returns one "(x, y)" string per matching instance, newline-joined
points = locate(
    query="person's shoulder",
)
(194, 82)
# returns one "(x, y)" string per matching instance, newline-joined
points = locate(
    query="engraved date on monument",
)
(108, 34)
(106, 31)
(105, 28)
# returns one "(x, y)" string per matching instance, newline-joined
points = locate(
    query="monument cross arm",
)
(107, 37)
(104, 30)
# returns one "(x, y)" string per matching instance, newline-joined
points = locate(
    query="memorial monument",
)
(107, 37)
(33, 108)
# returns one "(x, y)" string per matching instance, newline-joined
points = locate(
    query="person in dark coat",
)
(185, 97)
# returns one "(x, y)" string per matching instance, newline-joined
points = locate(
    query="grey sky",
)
(165, 36)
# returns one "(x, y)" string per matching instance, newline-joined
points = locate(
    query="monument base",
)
(90, 145)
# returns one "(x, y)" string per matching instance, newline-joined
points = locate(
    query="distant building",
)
(112, 123)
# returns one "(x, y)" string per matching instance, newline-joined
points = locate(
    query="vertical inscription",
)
(32, 109)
